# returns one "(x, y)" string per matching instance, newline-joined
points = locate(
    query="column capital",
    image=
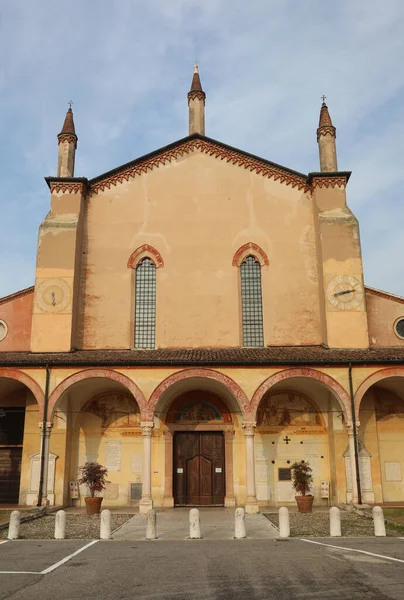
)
(147, 428)
(48, 427)
(350, 428)
(249, 428)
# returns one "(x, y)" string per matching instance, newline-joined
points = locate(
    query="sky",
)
(264, 64)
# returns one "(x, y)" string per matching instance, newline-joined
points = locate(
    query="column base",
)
(251, 507)
(229, 502)
(145, 504)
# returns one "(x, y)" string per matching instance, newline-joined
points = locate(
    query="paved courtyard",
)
(366, 568)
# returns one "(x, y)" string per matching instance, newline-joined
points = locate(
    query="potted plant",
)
(94, 476)
(302, 480)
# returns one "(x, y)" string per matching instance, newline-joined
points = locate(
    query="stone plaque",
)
(111, 492)
(393, 471)
(261, 472)
(285, 491)
(365, 473)
(113, 456)
(35, 472)
(137, 463)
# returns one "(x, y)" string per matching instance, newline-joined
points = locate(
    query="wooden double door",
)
(10, 472)
(199, 469)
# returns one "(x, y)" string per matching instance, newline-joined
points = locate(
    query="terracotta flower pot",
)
(93, 505)
(304, 503)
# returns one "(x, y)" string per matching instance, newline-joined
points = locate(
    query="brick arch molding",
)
(143, 252)
(248, 250)
(30, 383)
(200, 373)
(334, 386)
(95, 374)
(371, 380)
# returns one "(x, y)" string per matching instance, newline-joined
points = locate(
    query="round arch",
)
(372, 380)
(199, 373)
(340, 393)
(30, 383)
(94, 374)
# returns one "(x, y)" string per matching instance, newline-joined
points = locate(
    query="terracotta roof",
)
(10, 297)
(196, 85)
(208, 356)
(381, 294)
(325, 119)
(68, 125)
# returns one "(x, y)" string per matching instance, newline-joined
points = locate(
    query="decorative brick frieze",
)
(70, 187)
(326, 130)
(195, 94)
(211, 148)
(329, 182)
(67, 137)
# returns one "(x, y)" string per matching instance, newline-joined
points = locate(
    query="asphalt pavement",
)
(360, 568)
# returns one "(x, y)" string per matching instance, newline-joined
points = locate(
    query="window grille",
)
(145, 305)
(251, 302)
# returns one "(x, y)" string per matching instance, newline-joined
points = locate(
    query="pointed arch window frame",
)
(240, 257)
(135, 260)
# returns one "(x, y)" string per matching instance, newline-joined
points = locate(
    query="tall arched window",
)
(251, 302)
(145, 304)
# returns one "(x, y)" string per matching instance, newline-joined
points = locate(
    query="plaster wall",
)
(17, 314)
(382, 315)
(197, 212)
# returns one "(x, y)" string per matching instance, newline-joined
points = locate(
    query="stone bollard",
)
(239, 525)
(60, 525)
(14, 526)
(194, 524)
(335, 522)
(284, 526)
(151, 527)
(378, 521)
(105, 525)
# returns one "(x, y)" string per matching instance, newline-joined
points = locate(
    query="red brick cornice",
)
(19, 294)
(329, 182)
(67, 137)
(326, 130)
(196, 94)
(206, 146)
(381, 294)
(66, 185)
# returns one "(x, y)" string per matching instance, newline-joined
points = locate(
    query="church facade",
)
(199, 322)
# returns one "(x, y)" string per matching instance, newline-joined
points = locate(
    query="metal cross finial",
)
(70, 103)
(323, 98)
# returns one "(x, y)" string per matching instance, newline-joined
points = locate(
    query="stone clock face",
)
(345, 292)
(53, 295)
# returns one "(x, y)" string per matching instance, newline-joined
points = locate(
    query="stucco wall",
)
(197, 212)
(17, 314)
(382, 314)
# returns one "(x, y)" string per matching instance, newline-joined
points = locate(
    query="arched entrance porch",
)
(199, 414)
(21, 400)
(96, 417)
(379, 403)
(300, 414)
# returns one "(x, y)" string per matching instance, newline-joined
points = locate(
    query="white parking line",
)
(64, 560)
(52, 567)
(354, 550)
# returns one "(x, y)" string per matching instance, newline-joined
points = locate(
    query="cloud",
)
(264, 64)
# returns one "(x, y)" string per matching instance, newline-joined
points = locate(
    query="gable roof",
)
(15, 295)
(386, 295)
(205, 145)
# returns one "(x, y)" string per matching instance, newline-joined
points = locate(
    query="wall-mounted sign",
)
(74, 489)
(218, 470)
(325, 489)
(180, 470)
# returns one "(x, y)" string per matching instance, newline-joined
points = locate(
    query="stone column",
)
(251, 505)
(229, 500)
(146, 502)
(168, 499)
(46, 433)
(351, 442)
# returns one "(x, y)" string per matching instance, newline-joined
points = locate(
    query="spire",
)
(67, 142)
(196, 103)
(326, 135)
